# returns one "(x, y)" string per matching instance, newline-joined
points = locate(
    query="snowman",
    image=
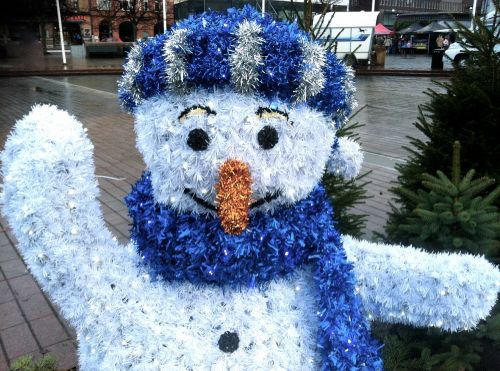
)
(234, 261)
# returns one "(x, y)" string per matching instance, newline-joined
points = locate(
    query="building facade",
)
(35, 23)
(280, 9)
(127, 20)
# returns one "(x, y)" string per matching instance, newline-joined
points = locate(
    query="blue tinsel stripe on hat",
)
(151, 77)
(196, 248)
(333, 98)
(280, 73)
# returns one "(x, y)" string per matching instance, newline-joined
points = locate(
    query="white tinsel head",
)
(232, 126)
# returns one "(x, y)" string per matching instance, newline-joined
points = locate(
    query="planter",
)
(77, 51)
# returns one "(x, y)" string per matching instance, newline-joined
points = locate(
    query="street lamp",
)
(61, 31)
(474, 6)
(164, 17)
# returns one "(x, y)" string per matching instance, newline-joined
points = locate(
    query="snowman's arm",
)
(50, 200)
(407, 285)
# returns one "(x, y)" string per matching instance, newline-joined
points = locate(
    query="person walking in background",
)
(388, 45)
(440, 42)
(402, 45)
(446, 42)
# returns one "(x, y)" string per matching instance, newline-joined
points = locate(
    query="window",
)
(73, 5)
(125, 5)
(145, 5)
(158, 5)
(104, 4)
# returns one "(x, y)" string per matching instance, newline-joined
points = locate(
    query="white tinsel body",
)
(126, 320)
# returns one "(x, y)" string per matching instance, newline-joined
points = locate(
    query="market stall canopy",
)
(380, 29)
(432, 27)
(410, 29)
(452, 26)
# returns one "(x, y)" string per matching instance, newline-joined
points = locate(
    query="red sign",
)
(75, 18)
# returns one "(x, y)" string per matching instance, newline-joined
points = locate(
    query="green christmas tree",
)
(466, 109)
(451, 214)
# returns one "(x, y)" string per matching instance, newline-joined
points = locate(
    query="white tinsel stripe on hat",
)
(175, 50)
(407, 285)
(130, 71)
(346, 159)
(246, 57)
(350, 92)
(312, 75)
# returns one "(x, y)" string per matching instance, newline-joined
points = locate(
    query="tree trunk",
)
(307, 15)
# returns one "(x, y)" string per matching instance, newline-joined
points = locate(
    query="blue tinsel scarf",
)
(196, 248)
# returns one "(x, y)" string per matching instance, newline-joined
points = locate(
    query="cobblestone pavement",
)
(29, 323)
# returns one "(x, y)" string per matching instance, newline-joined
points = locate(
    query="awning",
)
(452, 26)
(410, 29)
(432, 27)
(380, 29)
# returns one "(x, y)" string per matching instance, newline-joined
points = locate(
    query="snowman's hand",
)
(407, 285)
(346, 159)
(50, 200)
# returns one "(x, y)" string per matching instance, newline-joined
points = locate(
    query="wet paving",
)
(53, 62)
(388, 107)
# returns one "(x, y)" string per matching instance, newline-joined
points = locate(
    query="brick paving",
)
(29, 322)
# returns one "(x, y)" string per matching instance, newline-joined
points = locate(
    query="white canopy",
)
(451, 26)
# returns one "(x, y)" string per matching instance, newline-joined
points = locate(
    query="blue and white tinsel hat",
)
(242, 49)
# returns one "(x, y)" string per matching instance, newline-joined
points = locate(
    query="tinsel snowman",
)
(234, 261)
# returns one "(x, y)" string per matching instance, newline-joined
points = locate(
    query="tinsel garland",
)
(176, 50)
(195, 248)
(246, 58)
(128, 83)
(185, 293)
(312, 79)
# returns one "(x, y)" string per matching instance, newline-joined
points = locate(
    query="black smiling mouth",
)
(207, 205)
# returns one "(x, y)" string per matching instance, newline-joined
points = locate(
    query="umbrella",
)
(410, 29)
(380, 29)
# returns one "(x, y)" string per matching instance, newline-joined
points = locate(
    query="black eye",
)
(198, 140)
(267, 137)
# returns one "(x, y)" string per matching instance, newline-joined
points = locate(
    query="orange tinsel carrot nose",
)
(233, 196)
